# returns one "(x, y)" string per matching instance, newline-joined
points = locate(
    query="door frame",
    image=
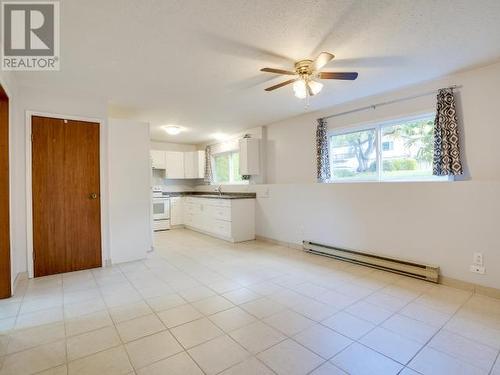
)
(10, 107)
(103, 152)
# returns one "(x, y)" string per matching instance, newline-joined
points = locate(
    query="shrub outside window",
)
(226, 167)
(399, 150)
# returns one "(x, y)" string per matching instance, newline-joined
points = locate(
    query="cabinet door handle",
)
(93, 196)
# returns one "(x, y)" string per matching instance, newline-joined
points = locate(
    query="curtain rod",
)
(374, 106)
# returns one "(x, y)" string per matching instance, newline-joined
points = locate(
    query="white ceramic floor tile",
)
(391, 345)
(262, 307)
(257, 337)
(139, 327)
(293, 292)
(425, 314)
(212, 305)
(322, 341)
(232, 319)
(315, 310)
(328, 369)
(110, 362)
(433, 362)
(196, 293)
(289, 322)
(83, 308)
(360, 360)
(9, 310)
(240, 296)
(38, 318)
(217, 355)
(162, 303)
(179, 315)
(408, 371)
(123, 313)
(59, 370)
(179, 364)
(475, 330)
(410, 328)
(251, 366)
(35, 360)
(290, 358)
(31, 337)
(196, 332)
(366, 311)
(87, 323)
(147, 350)
(337, 300)
(466, 350)
(92, 342)
(496, 367)
(349, 325)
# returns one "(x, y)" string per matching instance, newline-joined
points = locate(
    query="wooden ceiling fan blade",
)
(280, 85)
(322, 59)
(278, 71)
(350, 76)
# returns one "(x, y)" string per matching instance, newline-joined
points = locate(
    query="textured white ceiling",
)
(196, 63)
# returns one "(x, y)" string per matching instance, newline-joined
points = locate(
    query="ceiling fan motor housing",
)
(304, 67)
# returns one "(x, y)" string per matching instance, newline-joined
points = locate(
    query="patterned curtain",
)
(322, 155)
(209, 177)
(446, 140)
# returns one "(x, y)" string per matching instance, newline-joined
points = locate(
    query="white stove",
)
(161, 210)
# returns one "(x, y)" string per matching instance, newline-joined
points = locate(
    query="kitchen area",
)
(182, 196)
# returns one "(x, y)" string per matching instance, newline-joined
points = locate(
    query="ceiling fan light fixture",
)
(172, 129)
(315, 87)
(300, 89)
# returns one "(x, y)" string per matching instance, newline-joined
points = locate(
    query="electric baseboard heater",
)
(402, 267)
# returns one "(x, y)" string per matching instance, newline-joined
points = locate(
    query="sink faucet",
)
(218, 189)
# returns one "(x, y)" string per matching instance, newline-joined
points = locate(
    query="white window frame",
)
(377, 126)
(231, 174)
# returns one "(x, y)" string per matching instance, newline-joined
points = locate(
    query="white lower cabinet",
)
(176, 211)
(230, 219)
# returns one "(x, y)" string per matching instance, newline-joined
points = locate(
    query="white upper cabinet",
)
(179, 164)
(174, 161)
(249, 156)
(191, 164)
(158, 159)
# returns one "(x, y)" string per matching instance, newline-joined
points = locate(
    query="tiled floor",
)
(203, 306)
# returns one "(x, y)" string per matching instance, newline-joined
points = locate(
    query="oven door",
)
(161, 209)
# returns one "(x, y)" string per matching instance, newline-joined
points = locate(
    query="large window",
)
(227, 168)
(400, 150)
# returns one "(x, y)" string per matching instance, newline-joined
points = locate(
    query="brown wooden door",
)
(5, 291)
(66, 195)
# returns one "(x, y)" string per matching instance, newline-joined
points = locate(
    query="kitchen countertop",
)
(209, 195)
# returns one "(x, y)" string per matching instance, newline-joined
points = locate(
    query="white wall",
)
(129, 188)
(431, 222)
(169, 146)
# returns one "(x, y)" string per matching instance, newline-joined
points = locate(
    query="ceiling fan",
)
(306, 74)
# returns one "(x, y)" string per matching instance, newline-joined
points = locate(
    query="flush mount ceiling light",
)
(307, 73)
(172, 129)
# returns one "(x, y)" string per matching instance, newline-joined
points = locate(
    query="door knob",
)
(93, 196)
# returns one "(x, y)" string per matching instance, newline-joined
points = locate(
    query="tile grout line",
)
(426, 345)
(158, 317)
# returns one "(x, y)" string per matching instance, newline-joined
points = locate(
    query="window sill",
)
(437, 180)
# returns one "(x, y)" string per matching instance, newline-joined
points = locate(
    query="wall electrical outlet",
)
(477, 269)
(478, 259)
